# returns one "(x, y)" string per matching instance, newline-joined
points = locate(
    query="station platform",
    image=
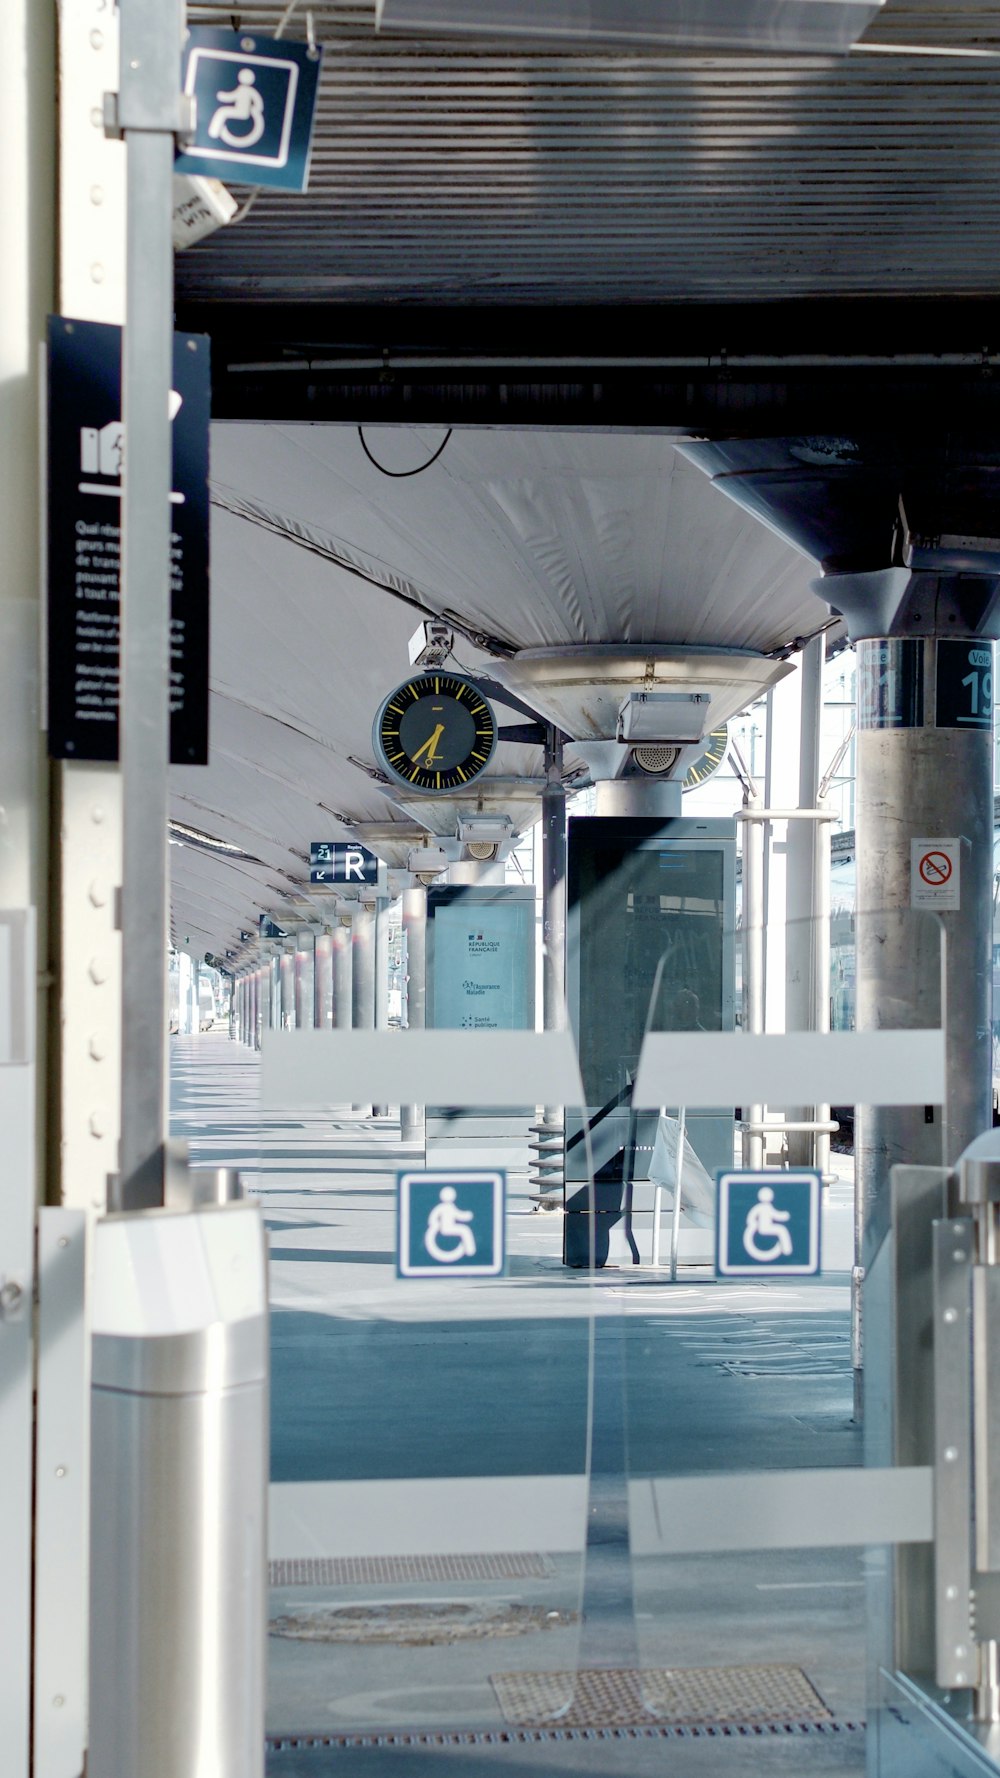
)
(384, 1659)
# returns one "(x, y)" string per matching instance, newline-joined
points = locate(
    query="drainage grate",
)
(739, 1731)
(349, 1571)
(621, 1697)
(420, 1625)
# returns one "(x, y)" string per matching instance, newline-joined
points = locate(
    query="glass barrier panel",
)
(759, 1498)
(431, 1380)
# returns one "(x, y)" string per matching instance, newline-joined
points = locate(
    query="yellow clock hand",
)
(430, 746)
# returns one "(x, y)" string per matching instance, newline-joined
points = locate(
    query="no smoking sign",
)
(934, 874)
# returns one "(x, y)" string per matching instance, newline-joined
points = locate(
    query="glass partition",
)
(430, 1420)
(600, 1490)
(754, 1527)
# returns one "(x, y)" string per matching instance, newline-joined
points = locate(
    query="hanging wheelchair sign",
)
(450, 1225)
(768, 1222)
(255, 101)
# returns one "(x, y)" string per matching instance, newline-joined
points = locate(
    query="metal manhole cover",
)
(416, 1625)
(618, 1697)
(348, 1571)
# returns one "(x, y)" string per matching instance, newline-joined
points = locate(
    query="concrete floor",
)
(374, 1378)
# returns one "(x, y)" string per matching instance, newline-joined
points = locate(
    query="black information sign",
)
(965, 685)
(85, 454)
(891, 683)
(330, 861)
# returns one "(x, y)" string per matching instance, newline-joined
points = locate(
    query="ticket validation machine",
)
(640, 891)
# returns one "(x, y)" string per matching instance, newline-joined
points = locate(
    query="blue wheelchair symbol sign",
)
(254, 103)
(768, 1222)
(450, 1225)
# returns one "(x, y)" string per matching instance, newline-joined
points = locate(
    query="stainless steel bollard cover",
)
(179, 1474)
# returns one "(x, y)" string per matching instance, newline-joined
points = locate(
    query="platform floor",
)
(379, 1380)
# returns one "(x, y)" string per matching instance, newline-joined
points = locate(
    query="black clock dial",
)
(435, 733)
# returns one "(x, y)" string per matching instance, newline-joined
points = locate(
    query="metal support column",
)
(382, 908)
(342, 977)
(753, 959)
(363, 969)
(415, 933)
(803, 889)
(324, 981)
(915, 783)
(548, 1137)
(266, 980)
(305, 981)
(149, 115)
(924, 772)
(287, 978)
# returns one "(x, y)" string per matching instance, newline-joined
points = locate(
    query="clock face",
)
(435, 733)
(709, 761)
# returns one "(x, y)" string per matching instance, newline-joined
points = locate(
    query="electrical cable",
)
(399, 474)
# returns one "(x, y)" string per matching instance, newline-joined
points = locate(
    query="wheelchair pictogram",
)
(766, 1223)
(447, 1223)
(243, 105)
(450, 1224)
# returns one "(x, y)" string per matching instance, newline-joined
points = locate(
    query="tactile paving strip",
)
(349, 1571)
(619, 1697)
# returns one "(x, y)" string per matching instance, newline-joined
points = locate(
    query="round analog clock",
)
(435, 733)
(710, 760)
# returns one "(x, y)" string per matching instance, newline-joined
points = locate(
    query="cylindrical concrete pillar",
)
(363, 965)
(264, 990)
(305, 981)
(287, 979)
(343, 971)
(324, 981)
(929, 780)
(415, 934)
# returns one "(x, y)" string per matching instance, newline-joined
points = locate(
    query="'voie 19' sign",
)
(332, 861)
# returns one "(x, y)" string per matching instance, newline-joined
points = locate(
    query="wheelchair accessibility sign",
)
(450, 1225)
(255, 99)
(768, 1222)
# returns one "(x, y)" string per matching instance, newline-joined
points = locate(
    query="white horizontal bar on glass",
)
(439, 1516)
(312, 1069)
(780, 1510)
(706, 1068)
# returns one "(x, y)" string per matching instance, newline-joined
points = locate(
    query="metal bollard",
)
(179, 1474)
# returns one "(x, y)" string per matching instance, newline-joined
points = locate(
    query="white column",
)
(305, 981)
(28, 86)
(324, 981)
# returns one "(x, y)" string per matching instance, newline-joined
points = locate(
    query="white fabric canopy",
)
(322, 569)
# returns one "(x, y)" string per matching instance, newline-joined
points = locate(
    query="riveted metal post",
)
(548, 1138)
(149, 114)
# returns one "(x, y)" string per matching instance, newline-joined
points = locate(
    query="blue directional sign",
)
(768, 1223)
(450, 1224)
(333, 861)
(255, 99)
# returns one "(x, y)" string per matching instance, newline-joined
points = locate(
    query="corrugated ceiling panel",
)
(444, 171)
